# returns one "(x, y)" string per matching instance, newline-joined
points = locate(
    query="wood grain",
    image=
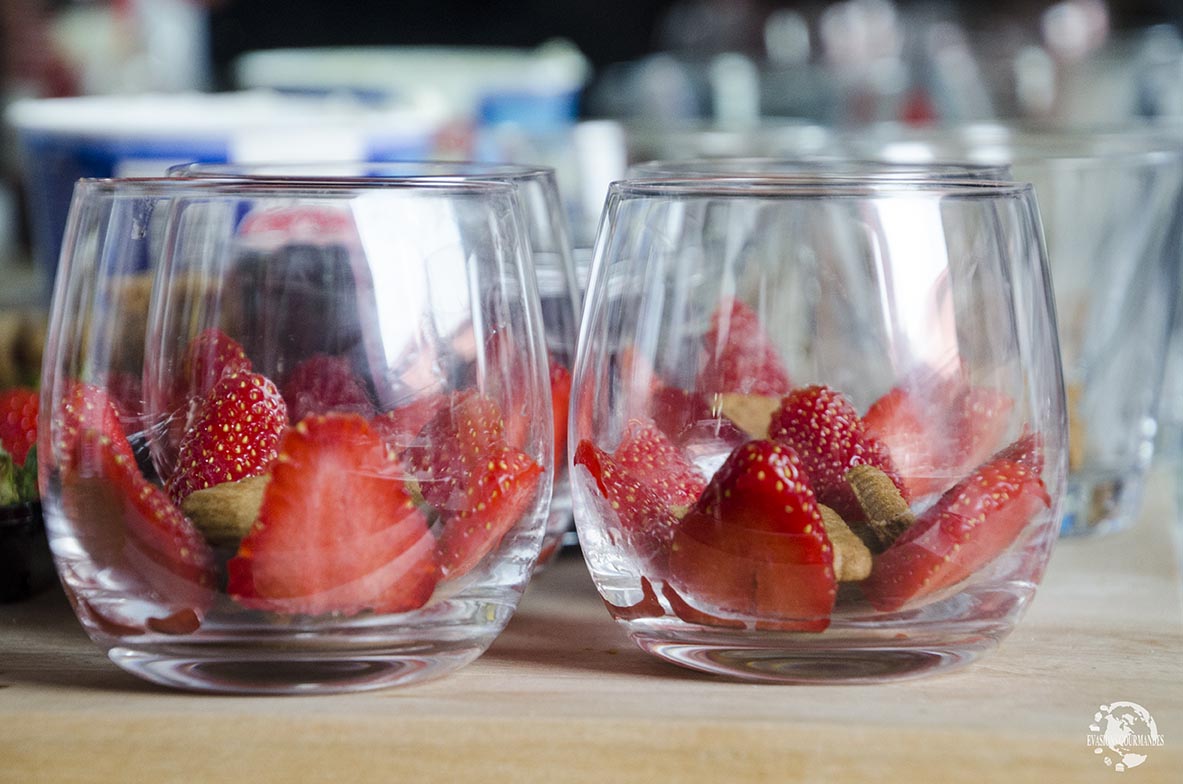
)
(564, 696)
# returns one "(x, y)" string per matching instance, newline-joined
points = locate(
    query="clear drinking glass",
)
(278, 452)
(824, 166)
(1113, 217)
(549, 242)
(818, 423)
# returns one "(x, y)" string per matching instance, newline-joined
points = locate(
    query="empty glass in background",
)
(1112, 210)
(717, 309)
(273, 457)
(820, 167)
(549, 242)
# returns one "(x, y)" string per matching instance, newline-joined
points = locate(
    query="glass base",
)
(1101, 503)
(828, 661)
(240, 672)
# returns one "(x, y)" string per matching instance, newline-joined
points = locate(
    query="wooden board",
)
(564, 696)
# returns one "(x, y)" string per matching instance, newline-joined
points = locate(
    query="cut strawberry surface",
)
(645, 519)
(754, 546)
(829, 437)
(18, 422)
(337, 531)
(645, 454)
(741, 356)
(971, 525)
(324, 383)
(235, 434)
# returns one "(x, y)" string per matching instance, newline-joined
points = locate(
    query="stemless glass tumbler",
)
(1112, 209)
(549, 243)
(279, 453)
(819, 422)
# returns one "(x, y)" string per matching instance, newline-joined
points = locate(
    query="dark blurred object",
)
(607, 31)
(26, 567)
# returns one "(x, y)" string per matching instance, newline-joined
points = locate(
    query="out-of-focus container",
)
(63, 140)
(533, 87)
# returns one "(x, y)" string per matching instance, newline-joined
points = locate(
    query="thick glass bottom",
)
(813, 662)
(230, 671)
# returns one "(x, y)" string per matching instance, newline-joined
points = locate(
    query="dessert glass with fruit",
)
(818, 421)
(283, 447)
(550, 244)
(1112, 208)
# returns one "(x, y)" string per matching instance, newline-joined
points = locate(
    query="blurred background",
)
(583, 86)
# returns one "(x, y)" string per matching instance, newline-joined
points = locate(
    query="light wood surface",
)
(564, 696)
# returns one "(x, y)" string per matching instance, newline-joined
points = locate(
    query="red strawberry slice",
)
(324, 383)
(209, 356)
(979, 423)
(754, 547)
(936, 434)
(830, 439)
(18, 422)
(740, 355)
(970, 526)
(645, 454)
(337, 531)
(400, 425)
(500, 490)
(235, 434)
(88, 429)
(126, 524)
(480, 484)
(462, 434)
(645, 520)
(1026, 450)
(560, 399)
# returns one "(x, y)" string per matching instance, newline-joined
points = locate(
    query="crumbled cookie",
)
(887, 513)
(852, 558)
(225, 512)
(751, 413)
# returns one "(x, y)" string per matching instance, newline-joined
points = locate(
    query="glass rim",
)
(823, 165)
(806, 186)
(177, 186)
(285, 171)
(1026, 143)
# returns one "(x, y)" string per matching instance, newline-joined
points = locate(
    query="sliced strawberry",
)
(1026, 450)
(399, 426)
(830, 438)
(209, 356)
(754, 545)
(970, 526)
(937, 433)
(560, 399)
(646, 455)
(18, 422)
(128, 526)
(88, 429)
(324, 383)
(481, 485)
(979, 423)
(500, 491)
(645, 519)
(462, 434)
(740, 355)
(337, 532)
(235, 434)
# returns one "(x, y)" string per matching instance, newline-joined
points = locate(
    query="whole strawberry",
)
(18, 422)
(828, 435)
(741, 357)
(235, 434)
(324, 383)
